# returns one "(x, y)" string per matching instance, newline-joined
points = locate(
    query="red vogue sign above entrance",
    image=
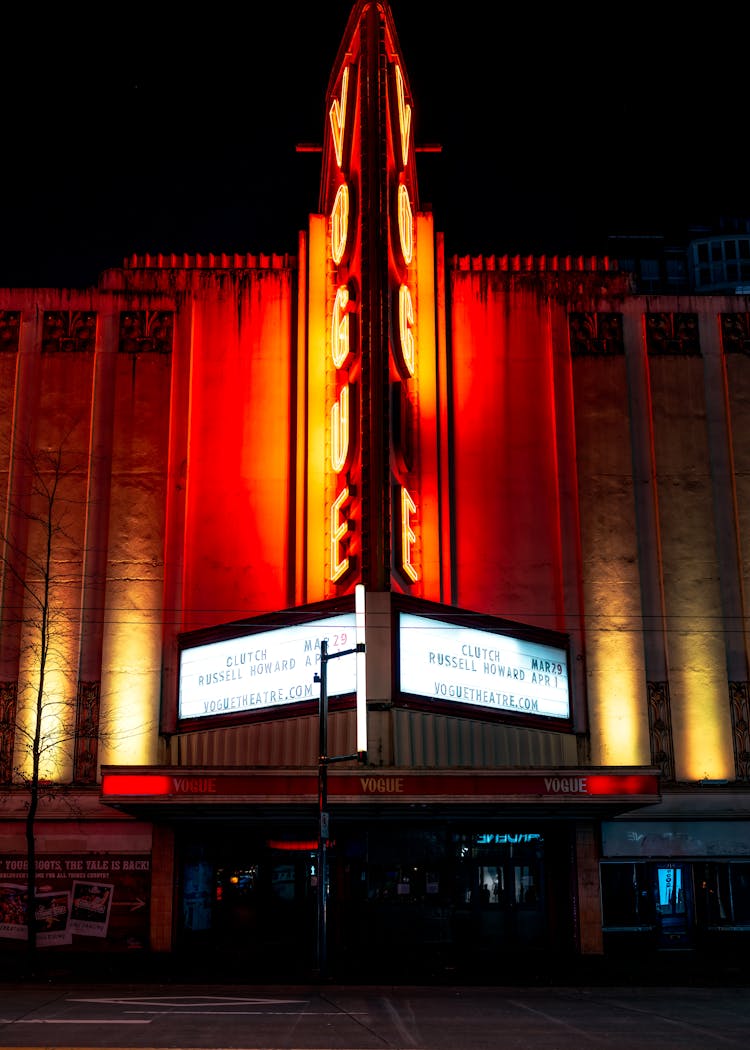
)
(357, 785)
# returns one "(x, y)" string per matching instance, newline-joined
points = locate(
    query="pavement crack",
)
(357, 1020)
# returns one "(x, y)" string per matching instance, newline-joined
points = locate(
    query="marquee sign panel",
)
(447, 662)
(444, 659)
(265, 669)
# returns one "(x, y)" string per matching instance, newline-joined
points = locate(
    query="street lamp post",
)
(322, 952)
(323, 761)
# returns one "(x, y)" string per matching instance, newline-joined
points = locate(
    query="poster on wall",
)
(12, 911)
(97, 899)
(92, 903)
(51, 915)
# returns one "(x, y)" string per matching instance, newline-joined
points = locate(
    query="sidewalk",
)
(658, 969)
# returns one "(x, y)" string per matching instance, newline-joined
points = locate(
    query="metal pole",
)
(323, 831)
(323, 812)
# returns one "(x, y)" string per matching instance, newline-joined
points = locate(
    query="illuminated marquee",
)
(266, 669)
(448, 663)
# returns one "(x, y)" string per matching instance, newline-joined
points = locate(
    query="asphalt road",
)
(373, 1018)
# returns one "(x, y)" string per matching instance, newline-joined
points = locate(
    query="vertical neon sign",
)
(356, 282)
(405, 352)
(342, 351)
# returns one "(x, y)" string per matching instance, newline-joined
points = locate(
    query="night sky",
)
(166, 128)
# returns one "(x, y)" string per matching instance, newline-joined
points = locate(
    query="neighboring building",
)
(709, 259)
(541, 479)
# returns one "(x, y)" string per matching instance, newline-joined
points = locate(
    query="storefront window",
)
(725, 893)
(501, 870)
(283, 882)
(490, 883)
(525, 884)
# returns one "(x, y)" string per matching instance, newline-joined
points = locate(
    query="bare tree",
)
(41, 562)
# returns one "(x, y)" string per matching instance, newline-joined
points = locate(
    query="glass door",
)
(673, 906)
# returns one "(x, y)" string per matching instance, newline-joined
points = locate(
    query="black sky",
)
(171, 128)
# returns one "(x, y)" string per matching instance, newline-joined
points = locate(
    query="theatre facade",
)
(396, 601)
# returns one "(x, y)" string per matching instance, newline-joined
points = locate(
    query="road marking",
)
(255, 1013)
(75, 1020)
(190, 1000)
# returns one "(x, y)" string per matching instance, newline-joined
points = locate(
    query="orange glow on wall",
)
(693, 601)
(431, 442)
(616, 685)
(699, 689)
(313, 423)
(131, 678)
(131, 686)
(615, 645)
(238, 454)
(505, 373)
(56, 713)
